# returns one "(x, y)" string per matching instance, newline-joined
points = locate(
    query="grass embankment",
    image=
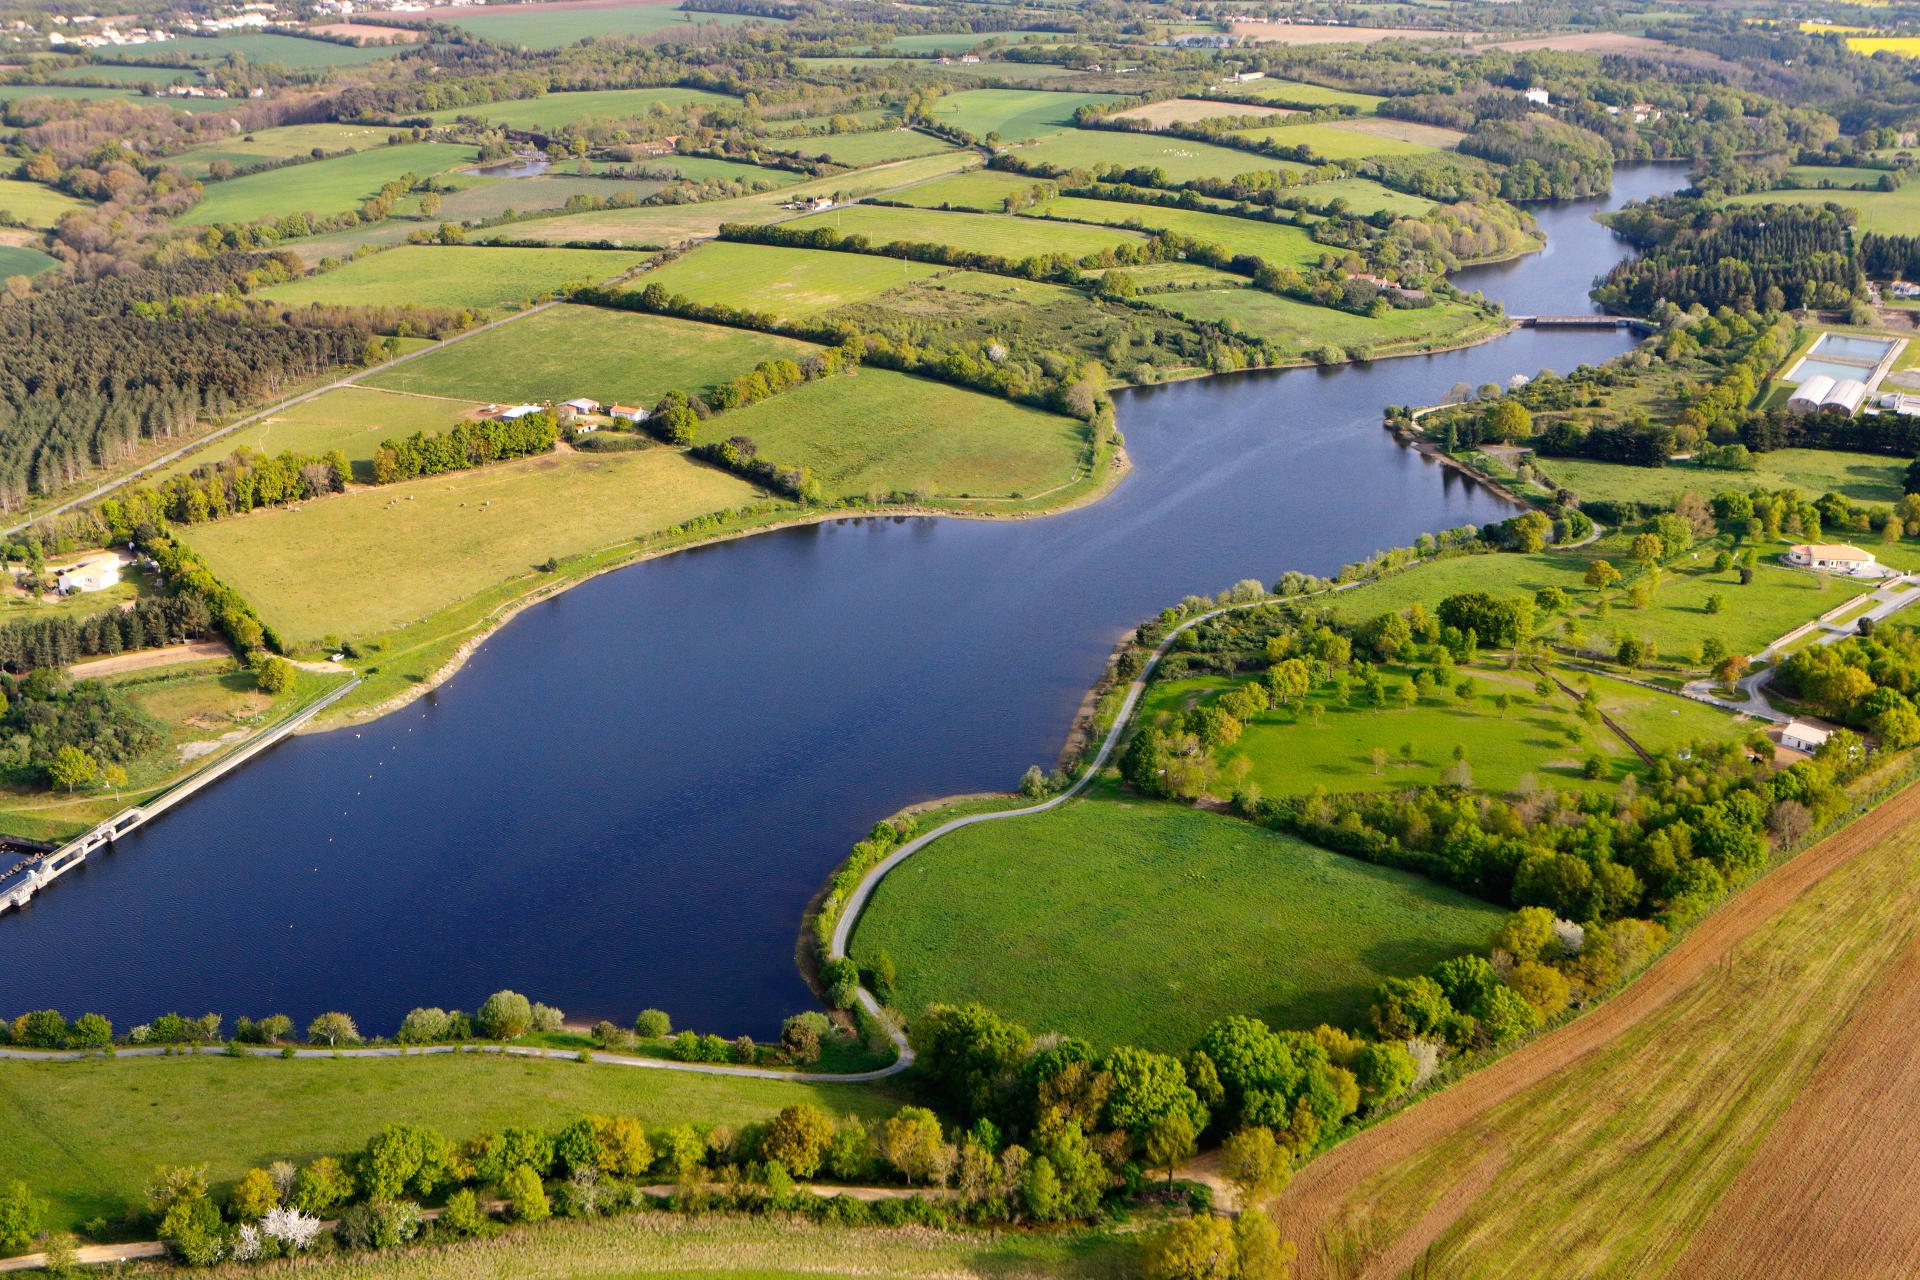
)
(569, 351)
(202, 713)
(323, 187)
(87, 1135)
(758, 1248)
(792, 284)
(377, 559)
(1137, 922)
(1768, 1073)
(551, 110)
(879, 431)
(353, 420)
(453, 276)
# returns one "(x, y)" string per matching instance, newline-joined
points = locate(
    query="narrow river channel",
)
(629, 794)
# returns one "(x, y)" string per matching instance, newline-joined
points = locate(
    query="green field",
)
(1862, 477)
(474, 198)
(570, 351)
(700, 168)
(353, 420)
(552, 28)
(789, 283)
(862, 149)
(1838, 175)
(380, 558)
(35, 205)
(22, 260)
(453, 276)
(1013, 238)
(1270, 241)
(1300, 93)
(87, 1135)
(1302, 327)
(323, 187)
(1363, 196)
(1014, 114)
(1894, 213)
(266, 145)
(128, 73)
(1135, 922)
(939, 42)
(258, 48)
(552, 110)
(879, 431)
(982, 191)
(1177, 158)
(1337, 142)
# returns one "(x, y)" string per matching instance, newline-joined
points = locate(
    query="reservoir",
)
(628, 795)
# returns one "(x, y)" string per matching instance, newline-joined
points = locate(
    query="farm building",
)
(1801, 736)
(627, 412)
(580, 404)
(1833, 557)
(518, 411)
(95, 573)
(1824, 392)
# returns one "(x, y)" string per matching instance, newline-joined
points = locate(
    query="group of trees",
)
(467, 444)
(60, 639)
(1544, 158)
(59, 732)
(1867, 681)
(244, 481)
(1750, 258)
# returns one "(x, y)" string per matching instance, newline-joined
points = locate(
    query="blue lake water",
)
(629, 794)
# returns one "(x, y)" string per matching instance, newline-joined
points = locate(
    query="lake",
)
(630, 793)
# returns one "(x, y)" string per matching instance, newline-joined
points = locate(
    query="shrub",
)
(525, 1196)
(654, 1024)
(798, 1138)
(423, 1026)
(253, 1196)
(463, 1215)
(378, 1224)
(20, 1216)
(547, 1019)
(505, 1015)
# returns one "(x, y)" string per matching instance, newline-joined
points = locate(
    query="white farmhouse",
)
(1801, 736)
(95, 573)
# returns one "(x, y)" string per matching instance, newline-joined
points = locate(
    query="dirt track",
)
(1303, 1209)
(142, 659)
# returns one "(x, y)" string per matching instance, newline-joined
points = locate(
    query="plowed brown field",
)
(1617, 1143)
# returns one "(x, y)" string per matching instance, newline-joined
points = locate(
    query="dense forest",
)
(1545, 159)
(1760, 258)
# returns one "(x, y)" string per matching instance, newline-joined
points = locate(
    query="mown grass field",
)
(714, 1246)
(981, 191)
(669, 224)
(700, 168)
(1862, 477)
(1893, 213)
(475, 276)
(1190, 110)
(1014, 114)
(790, 283)
(1334, 141)
(1363, 196)
(1302, 327)
(880, 431)
(36, 205)
(1006, 237)
(1300, 93)
(260, 48)
(264, 145)
(552, 110)
(353, 420)
(1837, 175)
(543, 28)
(475, 198)
(1270, 241)
(324, 186)
(861, 149)
(1762, 1134)
(1136, 922)
(381, 558)
(1179, 159)
(87, 1135)
(567, 351)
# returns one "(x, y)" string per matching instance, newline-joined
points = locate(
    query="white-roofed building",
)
(1801, 736)
(1808, 395)
(1833, 557)
(1848, 394)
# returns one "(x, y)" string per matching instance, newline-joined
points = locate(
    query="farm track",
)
(1306, 1207)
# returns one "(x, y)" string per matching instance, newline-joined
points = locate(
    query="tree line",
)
(29, 643)
(467, 444)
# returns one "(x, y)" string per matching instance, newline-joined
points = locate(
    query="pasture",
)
(1191, 110)
(376, 559)
(267, 145)
(1762, 1138)
(323, 187)
(1014, 114)
(553, 110)
(1343, 141)
(1893, 213)
(1135, 922)
(1862, 477)
(23, 260)
(569, 351)
(130, 1114)
(544, 26)
(862, 149)
(34, 204)
(455, 275)
(978, 190)
(1363, 196)
(939, 42)
(879, 432)
(701, 168)
(475, 197)
(1177, 158)
(1302, 327)
(669, 224)
(1271, 241)
(259, 48)
(789, 283)
(1006, 237)
(1836, 175)
(1298, 93)
(353, 420)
